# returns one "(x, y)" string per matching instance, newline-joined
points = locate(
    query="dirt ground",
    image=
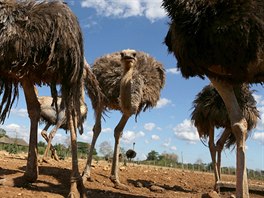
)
(143, 181)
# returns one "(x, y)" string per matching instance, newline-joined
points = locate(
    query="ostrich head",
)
(128, 58)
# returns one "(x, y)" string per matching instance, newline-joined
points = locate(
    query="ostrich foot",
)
(121, 187)
(54, 155)
(77, 188)
(44, 159)
(217, 186)
(118, 185)
(87, 177)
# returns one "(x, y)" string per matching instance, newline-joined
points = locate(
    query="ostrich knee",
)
(52, 134)
(240, 131)
(44, 134)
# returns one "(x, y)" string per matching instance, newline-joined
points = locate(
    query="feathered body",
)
(223, 40)
(130, 154)
(48, 113)
(209, 111)
(42, 41)
(131, 82)
(50, 116)
(217, 38)
(148, 78)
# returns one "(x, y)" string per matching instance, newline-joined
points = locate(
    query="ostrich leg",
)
(52, 134)
(77, 187)
(239, 128)
(219, 147)
(45, 136)
(212, 149)
(96, 132)
(33, 107)
(114, 171)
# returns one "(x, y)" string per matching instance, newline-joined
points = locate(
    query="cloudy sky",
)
(113, 25)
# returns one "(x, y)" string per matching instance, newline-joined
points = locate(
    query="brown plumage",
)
(223, 40)
(131, 153)
(41, 43)
(131, 82)
(50, 116)
(209, 112)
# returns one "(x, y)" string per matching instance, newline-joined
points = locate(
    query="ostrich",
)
(131, 82)
(131, 153)
(48, 113)
(223, 40)
(41, 43)
(209, 112)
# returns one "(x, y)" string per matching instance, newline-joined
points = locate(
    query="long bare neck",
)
(125, 89)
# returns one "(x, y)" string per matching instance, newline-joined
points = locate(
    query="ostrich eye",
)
(122, 54)
(134, 54)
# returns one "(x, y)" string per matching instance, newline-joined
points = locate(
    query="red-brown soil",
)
(143, 181)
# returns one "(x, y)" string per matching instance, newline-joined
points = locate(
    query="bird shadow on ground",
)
(55, 180)
(148, 184)
(59, 184)
(103, 194)
(4, 172)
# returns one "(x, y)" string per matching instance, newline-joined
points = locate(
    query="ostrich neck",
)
(125, 91)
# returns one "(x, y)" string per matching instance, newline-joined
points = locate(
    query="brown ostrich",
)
(50, 116)
(131, 153)
(223, 40)
(131, 82)
(48, 113)
(41, 43)
(209, 112)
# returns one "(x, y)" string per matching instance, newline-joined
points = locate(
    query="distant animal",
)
(222, 40)
(50, 116)
(41, 43)
(131, 82)
(131, 153)
(209, 112)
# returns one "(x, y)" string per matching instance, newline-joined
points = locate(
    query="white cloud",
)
(107, 130)
(167, 143)
(151, 9)
(186, 131)
(149, 126)
(19, 112)
(258, 136)
(129, 136)
(173, 148)
(162, 102)
(15, 130)
(155, 137)
(173, 71)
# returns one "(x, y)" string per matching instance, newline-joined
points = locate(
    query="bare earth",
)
(143, 181)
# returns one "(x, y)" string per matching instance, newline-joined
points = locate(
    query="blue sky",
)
(110, 26)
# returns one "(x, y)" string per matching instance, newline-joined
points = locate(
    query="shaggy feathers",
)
(149, 75)
(209, 110)
(229, 33)
(41, 40)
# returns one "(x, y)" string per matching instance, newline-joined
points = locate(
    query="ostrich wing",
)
(43, 41)
(229, 33)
